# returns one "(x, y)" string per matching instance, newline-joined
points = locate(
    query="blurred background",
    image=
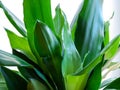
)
(69, 7)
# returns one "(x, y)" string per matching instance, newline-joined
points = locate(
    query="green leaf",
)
(45, 41)
(71, 58)
(73, 24)
(7, 59)
(98, 58)
(58, 21)
(14, 20)
(2, 82)
(49, 49)
(95, 78)
(115, 84)
(20, 43)
(89, 31)
(113, 49)
(106, 82)
(41, 73)
(37, 10)
(31, 73)
(34, 84)
(106, 31)
(13, 80)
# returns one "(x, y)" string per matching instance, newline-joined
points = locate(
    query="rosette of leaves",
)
(51, 55)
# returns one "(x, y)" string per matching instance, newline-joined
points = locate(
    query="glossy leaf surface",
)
(14, 20)
(98, 58)
(49, 49)
(20, 43)
(89, 31)
(7, 59)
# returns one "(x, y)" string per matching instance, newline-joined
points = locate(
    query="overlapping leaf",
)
(14, 20)
(7, 59)
(98, 58)
(13, 80)
(49, 49)
(20, 43)
(89, 31)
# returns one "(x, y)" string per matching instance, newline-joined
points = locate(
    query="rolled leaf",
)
(49, 49)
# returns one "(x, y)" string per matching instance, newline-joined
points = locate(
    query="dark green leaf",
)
(73, 24)
(95, 78)
(2, 82)
(14, 20)
(34, 84)
(13, 80)
(89, 31)
(20, 43)
(29, 73)
(115, 84)
(41, 73)
(49, 49)
(7, 59)
(98, 58)
(45, 41)
(106, 82)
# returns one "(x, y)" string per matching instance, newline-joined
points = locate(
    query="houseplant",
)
(51, 55)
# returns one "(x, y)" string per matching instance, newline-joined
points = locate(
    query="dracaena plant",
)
(50, 54)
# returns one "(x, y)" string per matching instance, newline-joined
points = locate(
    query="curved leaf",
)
(13, 80)
(89, 31)
(14, 20)
(7, 59)
(49, 49)
(20, 43)
(115, 84)
(98, 58)
(34, 84)
(58, 21)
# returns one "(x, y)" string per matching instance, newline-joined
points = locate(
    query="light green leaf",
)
(14, 20)
(90, 30)
(71, 60)
(7, 59)
(20, 43)
(106, 31)
(37, 10)
(58, 21)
